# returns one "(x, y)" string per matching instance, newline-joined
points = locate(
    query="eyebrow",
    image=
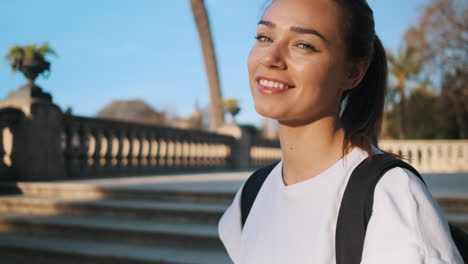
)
(296, 29)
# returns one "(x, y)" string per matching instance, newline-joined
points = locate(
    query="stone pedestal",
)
(30, 90)
(36, 153)
(241, 151)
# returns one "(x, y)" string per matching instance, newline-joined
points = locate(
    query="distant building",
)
(140, 112)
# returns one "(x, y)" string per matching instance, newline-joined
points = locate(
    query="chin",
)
(269, 112)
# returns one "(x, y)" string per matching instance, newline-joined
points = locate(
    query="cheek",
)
(321, 84)
(326, 74)
(252, 62)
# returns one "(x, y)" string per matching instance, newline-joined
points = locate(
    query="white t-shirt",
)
(296, 224)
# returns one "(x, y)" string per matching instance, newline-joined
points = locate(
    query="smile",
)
(272, 86)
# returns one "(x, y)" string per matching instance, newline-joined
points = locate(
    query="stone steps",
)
(453, 203)
(448, 202)
(458, 219)
(127, 223)
(84, 223)
(178, 212)
(132, 232)
(87, 191)
(22, 249)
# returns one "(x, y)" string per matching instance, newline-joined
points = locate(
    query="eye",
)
(262, 38)
(303, 45)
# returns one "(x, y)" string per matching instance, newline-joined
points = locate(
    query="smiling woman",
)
(319, 69)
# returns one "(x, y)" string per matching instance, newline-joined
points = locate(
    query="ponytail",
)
(363, 115)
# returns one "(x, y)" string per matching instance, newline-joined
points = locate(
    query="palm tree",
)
(203, 26)
(403, 66)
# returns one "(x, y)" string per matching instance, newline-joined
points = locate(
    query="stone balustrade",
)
(73, 147)
(264, 151)
(91, 147)
(431, 156)
(99, 147)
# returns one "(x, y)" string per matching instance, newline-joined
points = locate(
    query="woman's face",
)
(298, 68)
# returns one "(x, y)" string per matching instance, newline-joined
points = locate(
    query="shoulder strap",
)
(356, 205)
(251, 188)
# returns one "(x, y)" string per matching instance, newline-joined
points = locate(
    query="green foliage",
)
(430, 117)
(230, 105)
(405, 63)
(29, 52)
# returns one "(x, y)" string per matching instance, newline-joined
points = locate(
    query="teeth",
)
(272, 84)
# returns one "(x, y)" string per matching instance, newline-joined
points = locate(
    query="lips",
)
(267, 85)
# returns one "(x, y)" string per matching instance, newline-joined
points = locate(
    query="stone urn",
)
(31, 68)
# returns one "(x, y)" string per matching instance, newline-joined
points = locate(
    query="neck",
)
(310, 149)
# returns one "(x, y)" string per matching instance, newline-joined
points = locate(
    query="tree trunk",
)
(203, 26)
(401, 88)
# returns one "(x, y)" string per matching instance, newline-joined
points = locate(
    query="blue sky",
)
(149, 49)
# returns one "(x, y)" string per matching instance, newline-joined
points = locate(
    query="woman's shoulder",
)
(407, 225)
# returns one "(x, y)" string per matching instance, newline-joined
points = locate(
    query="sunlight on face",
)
(297, 67)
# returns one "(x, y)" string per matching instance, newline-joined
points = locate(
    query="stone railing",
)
(39, 142)
(431, 156)
(99, 147)
(264, 151)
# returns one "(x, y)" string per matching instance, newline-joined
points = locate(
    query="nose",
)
(273, 58)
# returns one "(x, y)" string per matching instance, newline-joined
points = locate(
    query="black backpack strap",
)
(356, 205)
(460, 238)
(251, 188)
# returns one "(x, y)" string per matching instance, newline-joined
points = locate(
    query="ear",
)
(355, 73)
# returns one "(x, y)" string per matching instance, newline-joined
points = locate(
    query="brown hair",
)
(362, 117)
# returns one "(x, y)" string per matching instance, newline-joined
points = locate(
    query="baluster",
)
(198, 152)
(192, 151)
(109, 167)
(131, 146)
(185, 152)
(121, 162)
(157, 150)
(139, 153)
(171, 152)
(163, 150)
(72, 150)
(83, 149)
(177, 156)
(464, 160)
(96, 155)
(150, 149)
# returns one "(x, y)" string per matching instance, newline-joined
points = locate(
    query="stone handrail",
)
(431, 156)
(100, 147)
(427, 156)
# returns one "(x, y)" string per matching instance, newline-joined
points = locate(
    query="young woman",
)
(319, 70)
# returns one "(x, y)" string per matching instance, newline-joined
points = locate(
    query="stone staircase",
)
(170, 223)
(75, 223)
